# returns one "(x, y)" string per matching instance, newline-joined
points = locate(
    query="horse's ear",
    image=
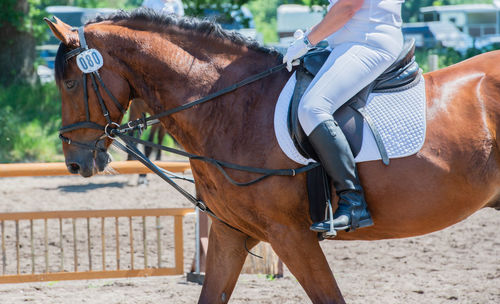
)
(62, 31)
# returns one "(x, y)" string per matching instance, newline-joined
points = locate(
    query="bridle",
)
(113, 129)
(88, 124)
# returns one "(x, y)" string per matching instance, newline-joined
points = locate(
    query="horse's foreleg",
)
(300, 251)
(225, 257)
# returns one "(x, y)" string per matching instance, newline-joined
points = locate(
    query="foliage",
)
(29, 122)
(264, 13)
(30, 117)
(449, 56)
(198, 7)
(9, 13)
(133, 3)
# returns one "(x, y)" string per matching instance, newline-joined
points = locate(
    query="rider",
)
(366, 39)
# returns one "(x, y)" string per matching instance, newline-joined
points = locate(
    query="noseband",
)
(89, 61)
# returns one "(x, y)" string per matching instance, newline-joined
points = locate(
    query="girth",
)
(401, 75)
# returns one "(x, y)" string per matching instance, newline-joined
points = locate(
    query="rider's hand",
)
(296, 50)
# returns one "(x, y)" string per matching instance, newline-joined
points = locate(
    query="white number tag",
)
(89, 61)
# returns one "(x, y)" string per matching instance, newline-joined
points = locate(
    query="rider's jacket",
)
(377, 23)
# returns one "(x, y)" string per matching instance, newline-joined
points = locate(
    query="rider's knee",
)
(311, 113)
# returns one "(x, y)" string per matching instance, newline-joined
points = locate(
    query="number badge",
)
(89, 61)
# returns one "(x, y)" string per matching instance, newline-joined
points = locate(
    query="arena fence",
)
(63, 226)
(61, 229)
(56, 169)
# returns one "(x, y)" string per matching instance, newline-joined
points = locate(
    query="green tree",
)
(17, 39)
(411, 9)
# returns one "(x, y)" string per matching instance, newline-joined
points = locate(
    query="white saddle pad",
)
(399, 117)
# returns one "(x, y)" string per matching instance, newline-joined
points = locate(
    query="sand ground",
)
(460, 264)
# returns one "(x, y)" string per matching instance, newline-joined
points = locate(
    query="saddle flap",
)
(314, 60)
(298, 135)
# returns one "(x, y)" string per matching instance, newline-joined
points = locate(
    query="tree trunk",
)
(17, 50)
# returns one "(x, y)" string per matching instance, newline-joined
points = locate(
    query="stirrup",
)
(327, 227)
(331, 232)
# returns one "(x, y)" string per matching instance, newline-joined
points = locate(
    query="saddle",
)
(403, 74)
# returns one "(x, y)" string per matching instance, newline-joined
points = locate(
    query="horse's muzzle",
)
(87, 163)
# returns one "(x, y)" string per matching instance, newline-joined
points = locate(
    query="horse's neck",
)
(177, 75)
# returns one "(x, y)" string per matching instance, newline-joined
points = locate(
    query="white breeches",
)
(349, 68)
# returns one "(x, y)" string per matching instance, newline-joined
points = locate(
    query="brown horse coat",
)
(169, 62)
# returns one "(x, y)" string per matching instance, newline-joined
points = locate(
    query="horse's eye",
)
(70, 84)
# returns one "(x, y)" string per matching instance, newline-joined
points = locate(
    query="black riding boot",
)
(335, 155)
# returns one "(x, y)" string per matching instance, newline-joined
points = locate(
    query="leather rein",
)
(113, 129)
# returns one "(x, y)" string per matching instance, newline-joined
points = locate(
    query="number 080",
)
(89, 61)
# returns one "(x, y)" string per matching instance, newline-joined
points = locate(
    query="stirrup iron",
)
(332, 232)
(326, 228)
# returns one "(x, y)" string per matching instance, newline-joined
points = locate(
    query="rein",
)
(220, 165)
(130, 125)
(113, 130)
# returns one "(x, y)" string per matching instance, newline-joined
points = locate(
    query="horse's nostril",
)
(74, 168)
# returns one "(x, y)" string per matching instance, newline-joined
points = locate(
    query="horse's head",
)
(93, 101)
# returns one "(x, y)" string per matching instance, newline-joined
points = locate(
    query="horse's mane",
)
(201, 26)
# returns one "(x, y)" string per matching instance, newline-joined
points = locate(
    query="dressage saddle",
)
(402, 74)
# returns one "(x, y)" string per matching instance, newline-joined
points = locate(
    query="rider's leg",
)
(349, 69)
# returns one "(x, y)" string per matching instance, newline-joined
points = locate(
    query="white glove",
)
(296, 50)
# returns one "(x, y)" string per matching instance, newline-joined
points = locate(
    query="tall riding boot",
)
(335, 155)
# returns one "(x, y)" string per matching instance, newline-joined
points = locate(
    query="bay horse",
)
(169, 61)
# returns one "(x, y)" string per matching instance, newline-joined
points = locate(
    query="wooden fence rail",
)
(56, 169)
(64, 229)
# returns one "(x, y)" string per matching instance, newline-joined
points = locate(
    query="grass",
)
(30, 117)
